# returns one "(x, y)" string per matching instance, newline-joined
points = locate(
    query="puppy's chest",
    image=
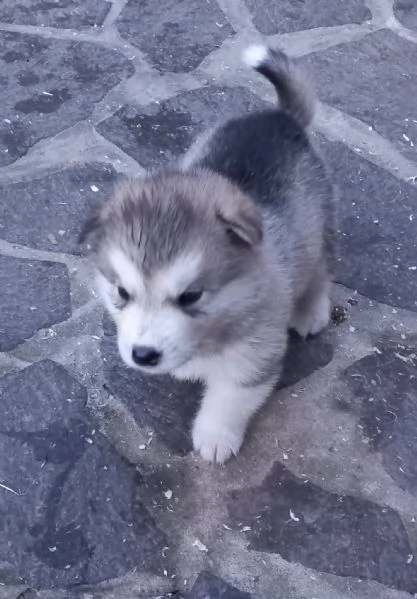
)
(235, 364)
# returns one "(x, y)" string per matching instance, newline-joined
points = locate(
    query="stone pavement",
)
(100, 496)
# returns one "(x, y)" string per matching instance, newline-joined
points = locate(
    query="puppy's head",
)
(177, 256)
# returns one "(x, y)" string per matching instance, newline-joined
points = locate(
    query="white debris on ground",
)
(200, 546)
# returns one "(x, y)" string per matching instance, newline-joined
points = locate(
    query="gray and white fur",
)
(206, 265)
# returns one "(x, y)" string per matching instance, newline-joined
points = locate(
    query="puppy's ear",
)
(241, 218)
(92, 228)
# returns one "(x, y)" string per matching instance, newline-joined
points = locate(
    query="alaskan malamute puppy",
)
(206, 265)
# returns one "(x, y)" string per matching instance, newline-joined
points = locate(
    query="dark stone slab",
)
(178, 35)
(406, 13)
(378, 223)
(168, 406)
(285, 16)
(341, 535)
(385, 400)
(34, 295)
(50, 85)
(158, 133)
(374, 69)
(208, 586)
(59, 13)
(72, 505)
(47, 213)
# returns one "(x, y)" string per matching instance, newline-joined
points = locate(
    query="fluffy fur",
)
(206, 266)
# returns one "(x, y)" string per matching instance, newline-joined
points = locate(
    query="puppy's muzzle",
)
(146, 356)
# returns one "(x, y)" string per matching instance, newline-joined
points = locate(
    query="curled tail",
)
(296, 96)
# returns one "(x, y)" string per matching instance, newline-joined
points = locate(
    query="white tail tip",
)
(254, 56)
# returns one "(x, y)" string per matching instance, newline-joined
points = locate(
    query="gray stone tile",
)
(406, 13)
(378, 222)
(363, 78)
(341, 535)
(208, 586)
(50, 85)
(74, 513)
(34, 295)
(59, 13)
(272, 17)
(385, 401)
(178, 35)
(158, 133)
(47, 213)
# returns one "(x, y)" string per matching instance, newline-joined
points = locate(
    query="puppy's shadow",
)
(303, 357)
(168, 406)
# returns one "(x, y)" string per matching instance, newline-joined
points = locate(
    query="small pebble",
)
(339, 315)
(52, 238)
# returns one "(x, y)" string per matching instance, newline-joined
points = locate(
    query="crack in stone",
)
(302, 43)
(354, 133)
(114, 13)
(238, 16)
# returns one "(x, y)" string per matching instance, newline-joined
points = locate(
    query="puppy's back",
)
(269, 155)
(259, 152)
(262, 152)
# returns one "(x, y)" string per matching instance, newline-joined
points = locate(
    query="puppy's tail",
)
(296, 96)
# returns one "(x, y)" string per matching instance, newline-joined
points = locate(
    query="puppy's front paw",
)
(215, 441)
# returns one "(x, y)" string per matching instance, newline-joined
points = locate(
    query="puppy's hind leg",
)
(311, 312)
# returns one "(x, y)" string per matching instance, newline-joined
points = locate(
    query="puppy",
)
(206, 265)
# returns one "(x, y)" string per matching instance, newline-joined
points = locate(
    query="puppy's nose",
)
(145, 356)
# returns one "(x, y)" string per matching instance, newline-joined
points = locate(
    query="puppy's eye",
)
(189, 298)
(123, 294)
